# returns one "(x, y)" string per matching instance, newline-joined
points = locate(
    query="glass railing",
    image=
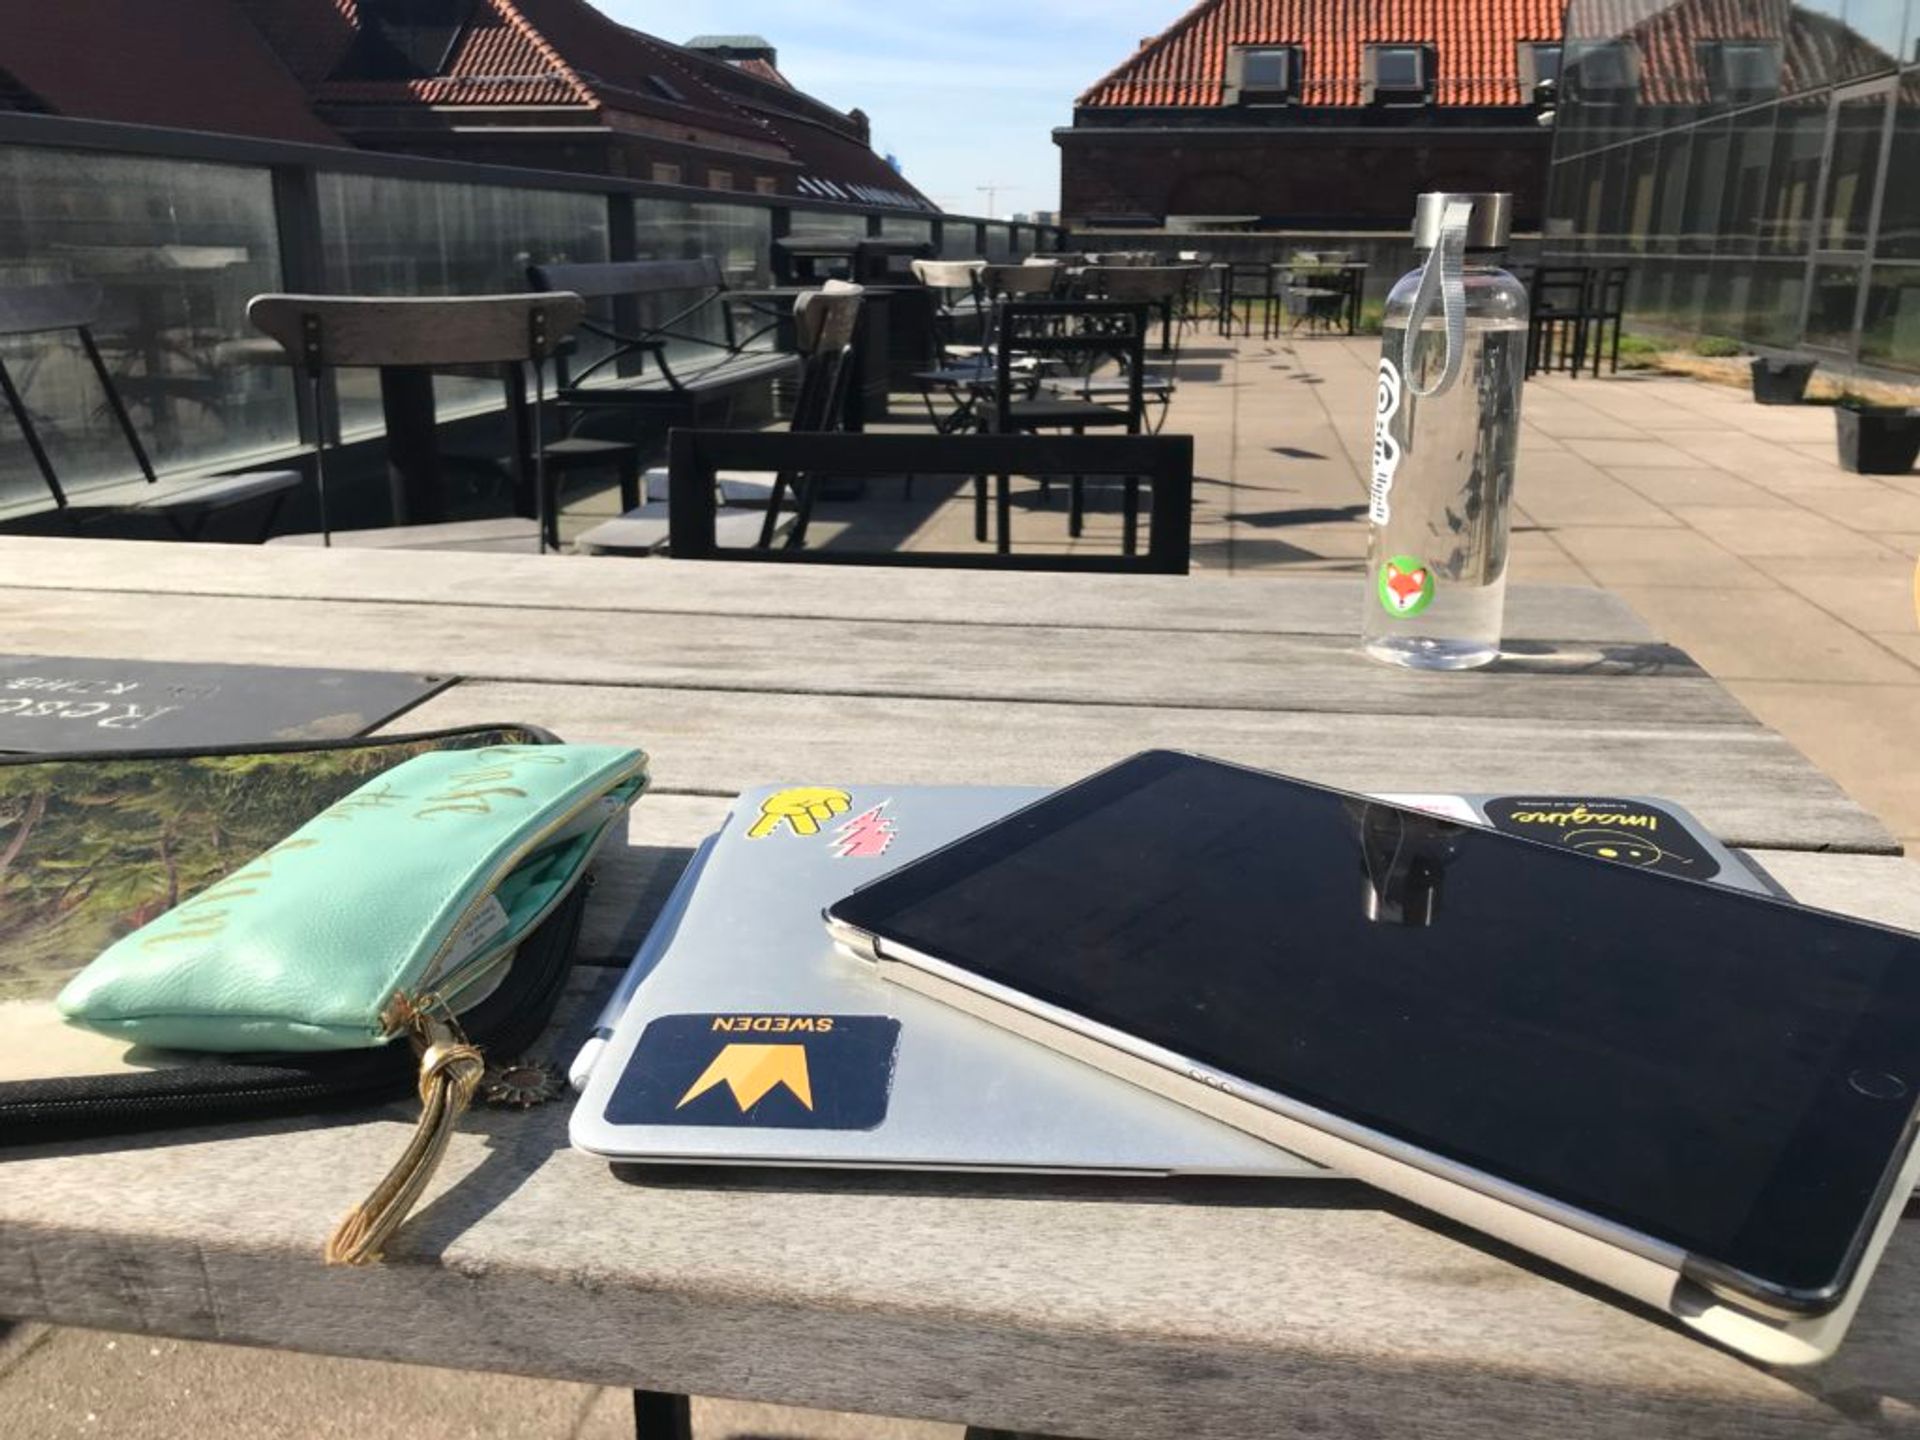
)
(181, 230)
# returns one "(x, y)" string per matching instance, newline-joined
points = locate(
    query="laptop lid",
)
(748, 1038)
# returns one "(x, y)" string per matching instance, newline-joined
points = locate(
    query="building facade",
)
(1755, 165)
(1316, 114)
(544, 84)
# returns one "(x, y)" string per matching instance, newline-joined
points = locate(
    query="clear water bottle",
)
(1446, 431)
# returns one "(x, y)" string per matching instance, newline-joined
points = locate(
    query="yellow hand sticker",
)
(805, 808)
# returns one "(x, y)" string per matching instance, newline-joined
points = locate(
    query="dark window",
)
(404, 39)
(1398, 72)
(1601, 69)
(664, 88)
(1267, 75)
(1740, 71)
(1538, 63)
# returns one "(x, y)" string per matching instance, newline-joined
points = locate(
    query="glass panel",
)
(825, 224)
(1638, 201)
(1891, 335)
(387, 236)
(1396, 67)
(178, 249)
(1669, 216)
(1773, 303)
(1878, 27)
(1900, 206)
(1706, 188)
(1748, 161)
(738, 236)
(1786, 226)
(999, 243)
(1852, 171)
(959, 240)
(906, 227)
(1836, 290)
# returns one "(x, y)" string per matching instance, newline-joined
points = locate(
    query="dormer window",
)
(1740, 71)
(1601, 70)
(1539, 63)
(1399, 75)
(1263, 75)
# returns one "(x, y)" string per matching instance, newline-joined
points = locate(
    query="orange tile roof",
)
(1476, 43)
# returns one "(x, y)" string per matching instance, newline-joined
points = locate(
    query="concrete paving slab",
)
(1695, 485)
(1622, 556)
(1779, 534)
(1749, 634)
(1875, 597)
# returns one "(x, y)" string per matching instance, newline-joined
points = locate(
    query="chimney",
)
(861, 125)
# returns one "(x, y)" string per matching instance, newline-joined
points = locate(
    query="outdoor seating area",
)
(654, 784)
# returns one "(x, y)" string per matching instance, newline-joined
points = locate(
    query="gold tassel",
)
(450, 1071)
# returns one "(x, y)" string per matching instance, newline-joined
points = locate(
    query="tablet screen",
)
(1723, 1073)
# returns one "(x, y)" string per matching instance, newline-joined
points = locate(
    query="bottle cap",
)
(1488, 228)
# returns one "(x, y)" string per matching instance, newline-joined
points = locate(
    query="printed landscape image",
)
(91, 849)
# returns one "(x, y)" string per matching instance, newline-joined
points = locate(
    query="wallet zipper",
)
(434, 986)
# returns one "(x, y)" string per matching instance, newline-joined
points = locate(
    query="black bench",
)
(704, 372)
(185, 503)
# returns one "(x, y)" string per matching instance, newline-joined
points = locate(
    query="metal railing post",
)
(296, 221)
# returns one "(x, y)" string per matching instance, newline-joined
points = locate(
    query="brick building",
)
(1315, 114)
(550, 84)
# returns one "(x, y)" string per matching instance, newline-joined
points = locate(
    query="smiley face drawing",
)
(1406, 586)
(1622, 847)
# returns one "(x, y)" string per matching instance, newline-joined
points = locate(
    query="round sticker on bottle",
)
(1406, 586)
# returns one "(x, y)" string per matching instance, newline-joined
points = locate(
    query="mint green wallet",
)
(384, 916)
(409, 895)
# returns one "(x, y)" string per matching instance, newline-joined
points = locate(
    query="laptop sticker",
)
(865, 837)
(1626, 832)
(787, 1072)
(802, 809)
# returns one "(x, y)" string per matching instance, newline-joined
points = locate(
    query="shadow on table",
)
(1551, 657)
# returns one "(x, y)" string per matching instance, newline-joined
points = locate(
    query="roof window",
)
(1263, 75)
(1399, 74)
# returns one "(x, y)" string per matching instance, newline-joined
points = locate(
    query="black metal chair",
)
(1082, 334)
(186, 504)
(1557, 304)
(324, 332)
(697, 457)
(1605, 305)
(1245, 284)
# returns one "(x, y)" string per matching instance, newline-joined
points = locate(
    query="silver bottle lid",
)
(1487, 229)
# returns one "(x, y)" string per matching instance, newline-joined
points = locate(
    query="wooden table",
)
(1082, 1307)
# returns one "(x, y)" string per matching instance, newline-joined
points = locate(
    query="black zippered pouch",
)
(93, 846)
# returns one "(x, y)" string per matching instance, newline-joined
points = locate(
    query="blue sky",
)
(965, 92)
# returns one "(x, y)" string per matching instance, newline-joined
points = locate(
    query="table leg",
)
(413, 449)
(659, 1415)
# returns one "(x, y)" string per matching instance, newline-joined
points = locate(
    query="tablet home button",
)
(1877, 1084)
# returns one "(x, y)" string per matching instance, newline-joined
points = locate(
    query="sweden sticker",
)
(783, 1072)
(1405, 586)
(1626, 832)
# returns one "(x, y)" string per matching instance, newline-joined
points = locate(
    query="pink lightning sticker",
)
(866, 836)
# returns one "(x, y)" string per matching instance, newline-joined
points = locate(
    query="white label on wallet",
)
(476, 934)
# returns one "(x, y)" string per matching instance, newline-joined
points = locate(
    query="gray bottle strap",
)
(1441, 278)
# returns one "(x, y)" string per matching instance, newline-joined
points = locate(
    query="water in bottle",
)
(1446, 431)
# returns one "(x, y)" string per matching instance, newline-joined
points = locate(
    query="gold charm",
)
(522, 1085)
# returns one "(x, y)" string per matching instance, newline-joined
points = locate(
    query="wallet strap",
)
(450, 1071)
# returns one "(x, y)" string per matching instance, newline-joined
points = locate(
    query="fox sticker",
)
(1406, 586)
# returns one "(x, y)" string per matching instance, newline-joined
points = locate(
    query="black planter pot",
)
(1878, 439)
(1781, 380)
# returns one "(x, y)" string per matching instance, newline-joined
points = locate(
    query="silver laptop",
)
(742, 1036)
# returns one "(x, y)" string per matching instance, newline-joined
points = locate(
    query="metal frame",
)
(294, 170)
(697, 457)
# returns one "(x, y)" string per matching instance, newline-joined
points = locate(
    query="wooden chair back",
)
(328, 331)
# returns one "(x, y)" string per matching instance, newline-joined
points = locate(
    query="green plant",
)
(1716, 347)
(1637, 352)
(1371, 314)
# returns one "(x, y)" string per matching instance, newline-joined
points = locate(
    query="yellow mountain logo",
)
(752, 1071)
